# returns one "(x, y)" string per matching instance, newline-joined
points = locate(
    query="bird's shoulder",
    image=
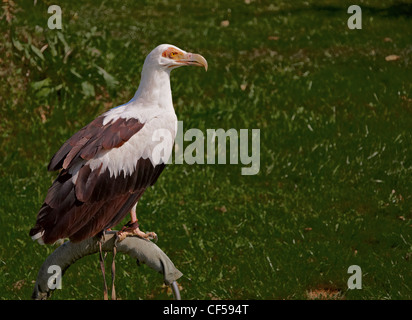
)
(135, 127)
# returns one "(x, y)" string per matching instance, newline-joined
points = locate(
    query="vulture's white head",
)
(154, 88)
(168, 57)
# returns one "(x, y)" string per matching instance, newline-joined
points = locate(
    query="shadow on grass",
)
(396, 10)
(399, 9)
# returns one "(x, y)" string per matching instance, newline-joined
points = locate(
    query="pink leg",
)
(133, 214)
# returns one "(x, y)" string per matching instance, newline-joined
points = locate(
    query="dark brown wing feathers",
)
(98, 200)
(92, 138)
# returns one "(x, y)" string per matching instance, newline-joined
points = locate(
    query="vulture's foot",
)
(132, 229)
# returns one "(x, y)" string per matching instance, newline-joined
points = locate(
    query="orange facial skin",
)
(172, 53)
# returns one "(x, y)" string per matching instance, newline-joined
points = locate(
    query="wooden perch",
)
(143, 251)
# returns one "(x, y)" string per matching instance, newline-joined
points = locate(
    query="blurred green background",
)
(334, 109)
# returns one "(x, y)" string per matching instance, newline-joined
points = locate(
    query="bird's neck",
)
(154, 89)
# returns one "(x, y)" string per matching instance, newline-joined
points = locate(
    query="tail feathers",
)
(37, 234)
(40, 240)
(42, 232)
(40, 237)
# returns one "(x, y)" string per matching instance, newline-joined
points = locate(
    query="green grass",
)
(334, 187)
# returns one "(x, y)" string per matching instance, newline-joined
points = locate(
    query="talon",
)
(152, 236)
(132, 229)
(120, 236)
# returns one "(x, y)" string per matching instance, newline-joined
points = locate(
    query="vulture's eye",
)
(172, 54)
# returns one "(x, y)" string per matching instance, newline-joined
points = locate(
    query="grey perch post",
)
(143, 251)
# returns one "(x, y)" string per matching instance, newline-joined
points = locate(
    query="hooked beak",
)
(193, 59)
